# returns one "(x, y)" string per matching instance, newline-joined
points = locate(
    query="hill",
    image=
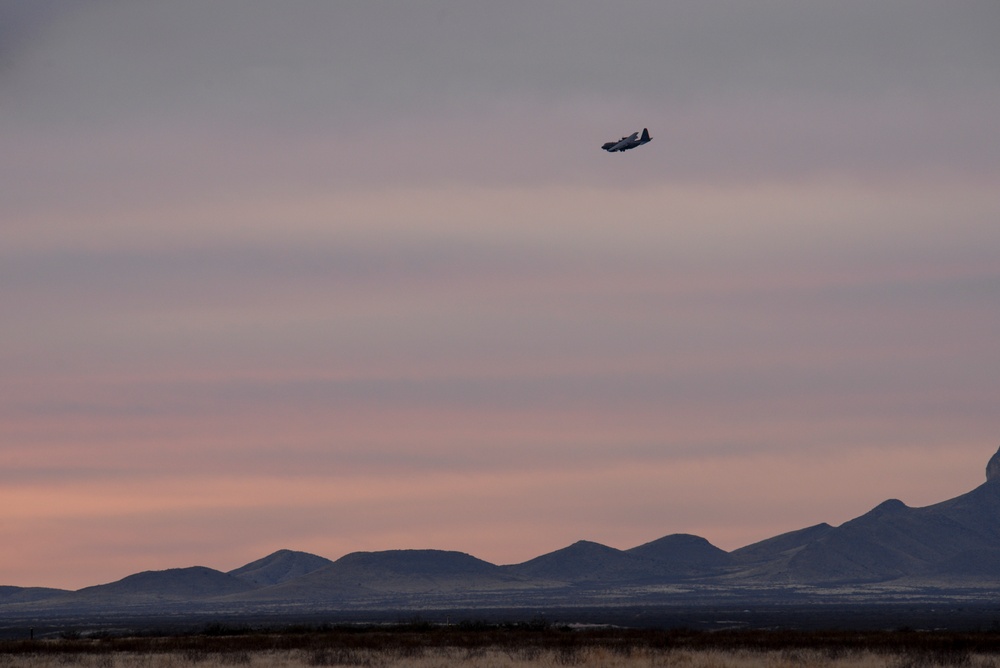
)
(278, 567)
(368, 577)
(589, 562)
(949, 542)
(10, 594)
(174, 584)
(684, 554)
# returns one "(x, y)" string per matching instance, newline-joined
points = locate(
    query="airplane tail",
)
(645, 135)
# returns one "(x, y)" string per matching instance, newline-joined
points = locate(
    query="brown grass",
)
(460, 647)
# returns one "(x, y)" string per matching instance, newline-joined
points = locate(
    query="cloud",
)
(312, 54)
(193, 97)
(358, 276)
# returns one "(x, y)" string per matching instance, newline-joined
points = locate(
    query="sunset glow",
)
(357, 276)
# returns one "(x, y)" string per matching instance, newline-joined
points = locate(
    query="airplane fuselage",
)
(626, 143)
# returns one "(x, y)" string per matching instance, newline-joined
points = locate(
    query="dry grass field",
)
(512, 649)
(496, 658)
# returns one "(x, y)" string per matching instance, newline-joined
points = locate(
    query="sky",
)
(339, 276)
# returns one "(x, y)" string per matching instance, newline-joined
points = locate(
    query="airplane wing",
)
(622, 144)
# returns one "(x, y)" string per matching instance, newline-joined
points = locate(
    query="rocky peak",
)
(993, 467)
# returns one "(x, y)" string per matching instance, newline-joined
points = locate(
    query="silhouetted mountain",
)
(279, 567)
(684, 554)
(890, 542)
(415, 563)
(950, 546)
(421, 570)
(771, 556)
(28, 594)
(969, 565)
(587, 562)
(175, 584)
(395, 572)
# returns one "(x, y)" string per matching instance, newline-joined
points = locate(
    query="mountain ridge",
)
(892, 547)
(279, 567)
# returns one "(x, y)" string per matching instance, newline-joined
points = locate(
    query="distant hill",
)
(175, 584)
(376, 575)
(953, 540)
(432, 564)
(684, 554)
(769, 559)
(415, 570)
(28, 594)
(279, 567)
(589, 562)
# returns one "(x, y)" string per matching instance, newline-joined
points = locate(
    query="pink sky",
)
(378, 287)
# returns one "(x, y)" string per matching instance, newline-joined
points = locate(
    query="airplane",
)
(625, 143)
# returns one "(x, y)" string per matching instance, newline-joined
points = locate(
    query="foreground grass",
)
(505, 648)
(492, 658)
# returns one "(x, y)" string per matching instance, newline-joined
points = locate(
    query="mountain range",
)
(949, 549)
